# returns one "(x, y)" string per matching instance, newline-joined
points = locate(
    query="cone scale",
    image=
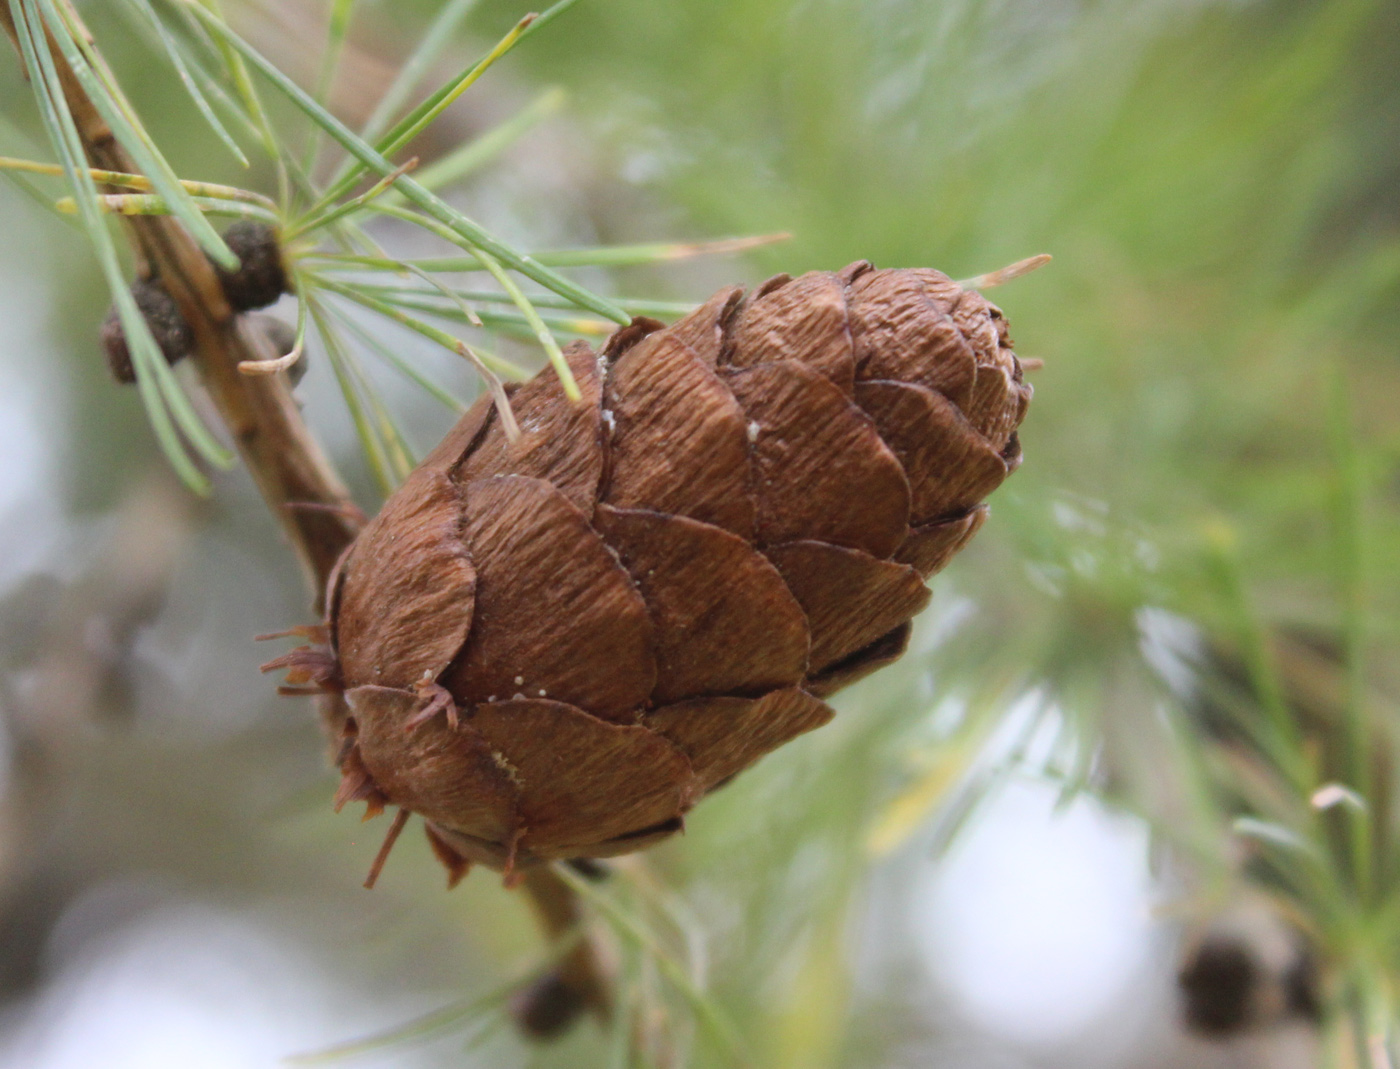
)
(554, 646)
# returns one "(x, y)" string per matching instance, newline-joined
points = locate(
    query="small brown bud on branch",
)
(259, 281)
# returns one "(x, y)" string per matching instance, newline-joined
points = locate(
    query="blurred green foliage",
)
(1215, 431)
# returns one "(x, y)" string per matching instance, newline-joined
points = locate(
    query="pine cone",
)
(552, 647)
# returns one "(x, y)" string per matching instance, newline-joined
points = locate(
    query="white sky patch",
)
(179, 985)
(31, 404)
(1038, 921)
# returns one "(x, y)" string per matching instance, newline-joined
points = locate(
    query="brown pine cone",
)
(552, 647)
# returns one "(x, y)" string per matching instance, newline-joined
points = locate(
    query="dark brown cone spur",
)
(554, 646)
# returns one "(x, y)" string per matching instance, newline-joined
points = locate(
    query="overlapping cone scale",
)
(553, 646)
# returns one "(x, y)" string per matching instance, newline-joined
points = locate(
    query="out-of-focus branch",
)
(78, 673)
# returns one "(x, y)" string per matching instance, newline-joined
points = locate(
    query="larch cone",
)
(554, 646)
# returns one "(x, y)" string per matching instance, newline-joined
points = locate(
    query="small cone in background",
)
(1248, 970)
(261, 278)
(553, 645)
(168, 327)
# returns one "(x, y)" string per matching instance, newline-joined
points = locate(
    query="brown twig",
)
(301, 488)
(581, 969)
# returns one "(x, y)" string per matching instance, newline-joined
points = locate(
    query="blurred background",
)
(1007, 848)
